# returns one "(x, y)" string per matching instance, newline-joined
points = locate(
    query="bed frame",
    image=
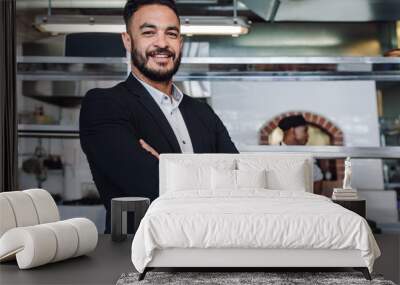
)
(242, 259)
(246, 258)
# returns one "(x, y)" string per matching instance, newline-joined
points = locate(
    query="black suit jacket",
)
(113, 120)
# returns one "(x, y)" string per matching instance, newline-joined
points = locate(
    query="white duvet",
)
(250, 219)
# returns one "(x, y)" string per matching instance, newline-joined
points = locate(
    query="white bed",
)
(193, 224)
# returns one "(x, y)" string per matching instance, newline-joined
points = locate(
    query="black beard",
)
(160, 76)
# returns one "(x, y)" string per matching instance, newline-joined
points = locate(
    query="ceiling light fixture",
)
(191, 26)
(217, 26)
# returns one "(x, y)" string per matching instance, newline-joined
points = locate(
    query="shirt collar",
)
(159, 96)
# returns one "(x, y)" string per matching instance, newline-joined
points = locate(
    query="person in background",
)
(295, 132)
(123, 129)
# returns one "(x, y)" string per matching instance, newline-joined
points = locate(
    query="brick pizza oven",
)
(333, 131)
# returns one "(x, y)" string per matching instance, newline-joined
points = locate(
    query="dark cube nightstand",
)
(358, 206)
(119, 209)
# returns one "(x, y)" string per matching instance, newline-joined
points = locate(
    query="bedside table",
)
(358, 206)
(119, 208)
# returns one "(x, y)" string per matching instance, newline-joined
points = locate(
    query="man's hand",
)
(149, 149)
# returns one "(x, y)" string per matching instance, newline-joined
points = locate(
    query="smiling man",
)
(123, 129)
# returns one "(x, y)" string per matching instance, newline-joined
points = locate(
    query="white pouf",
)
(31, 233)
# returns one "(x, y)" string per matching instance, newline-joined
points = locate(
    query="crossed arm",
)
(149, 149)
(109, 140)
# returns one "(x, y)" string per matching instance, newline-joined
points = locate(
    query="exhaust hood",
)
(266, 10)
(325, 10)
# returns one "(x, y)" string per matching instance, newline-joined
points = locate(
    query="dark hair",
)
(292, 122)
(132, 6)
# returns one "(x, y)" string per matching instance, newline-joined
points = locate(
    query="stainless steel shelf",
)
(330, 151)
(69, 76)
(70, 59)
(60, 131)
(47, 128)
(347, 68)
(222, 60)
(47, 135)
(47, 131)
(291, 60)
(289, 76)
(225, 76)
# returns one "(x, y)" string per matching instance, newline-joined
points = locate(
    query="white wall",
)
(244, 106)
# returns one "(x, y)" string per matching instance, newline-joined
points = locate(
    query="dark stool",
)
(119, 209)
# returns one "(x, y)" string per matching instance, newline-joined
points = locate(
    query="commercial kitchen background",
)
(319, 58)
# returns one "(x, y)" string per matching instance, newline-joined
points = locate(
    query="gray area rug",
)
(229, 278)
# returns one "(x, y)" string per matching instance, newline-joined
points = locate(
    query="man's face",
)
(155, 42)
(301, 134)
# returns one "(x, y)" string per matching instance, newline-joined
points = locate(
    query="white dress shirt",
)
(169, 105)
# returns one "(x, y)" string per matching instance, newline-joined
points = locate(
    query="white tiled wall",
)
(244, 106)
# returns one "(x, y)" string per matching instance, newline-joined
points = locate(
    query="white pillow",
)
(226, 179)
(293, 180)
(181, 178)
(282, 174)
(223, 179)
(251, 178)
(192, 175)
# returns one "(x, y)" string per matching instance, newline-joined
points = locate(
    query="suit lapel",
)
(148, 102)
(192, 124)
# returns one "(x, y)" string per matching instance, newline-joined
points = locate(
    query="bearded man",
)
(123, 129)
